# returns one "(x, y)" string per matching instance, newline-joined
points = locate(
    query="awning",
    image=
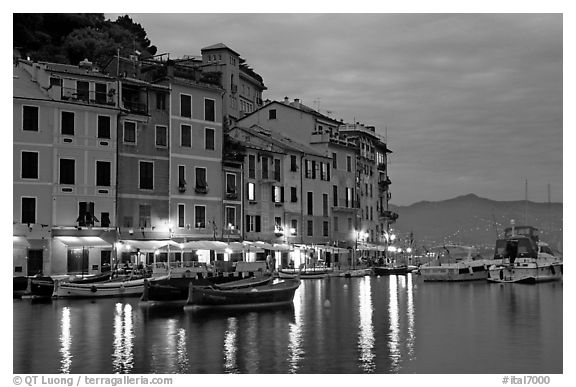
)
(83, 241)
(251, 247)
(205, 245)
(149, 245)
(20, 242)
(281, 247)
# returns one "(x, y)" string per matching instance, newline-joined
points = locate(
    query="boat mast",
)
(526, 202)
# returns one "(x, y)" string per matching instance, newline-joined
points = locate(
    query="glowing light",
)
(230, 346)
(295, 334)
(409, 250)
(366, 334)
(228, 250)
(123, 356)
(65, 341)
(394, 336)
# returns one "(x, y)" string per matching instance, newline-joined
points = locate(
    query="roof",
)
(24, 87)
(280, 140)
(73, 70)
(218, 46)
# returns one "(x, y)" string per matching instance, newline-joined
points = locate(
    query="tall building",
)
(65, 143)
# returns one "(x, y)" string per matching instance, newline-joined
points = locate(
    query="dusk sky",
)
(472, 103)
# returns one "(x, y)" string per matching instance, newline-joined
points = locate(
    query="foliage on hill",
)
(71, 37)
(473, 220)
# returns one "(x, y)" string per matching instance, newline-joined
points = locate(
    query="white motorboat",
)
(455, 263)
(524, 258)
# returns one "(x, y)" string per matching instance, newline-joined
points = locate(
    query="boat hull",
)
(281, 293)
(305, 274)
(453, 274)
(528, 274)
(355, 273)
(383, 270)
(131, 288)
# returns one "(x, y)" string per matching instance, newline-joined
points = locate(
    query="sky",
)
(470, 103)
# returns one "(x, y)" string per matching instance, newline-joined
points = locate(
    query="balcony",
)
(390, 215)
(381, 166)
(383, 184)
(201, 189)
(135, 107)
(91, 97)
(231, 194)
(343, 206)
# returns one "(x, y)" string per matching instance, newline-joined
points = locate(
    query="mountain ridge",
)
(472, 220)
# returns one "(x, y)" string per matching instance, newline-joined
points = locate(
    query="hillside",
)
(473, 220)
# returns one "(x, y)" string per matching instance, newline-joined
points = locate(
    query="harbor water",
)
(395, 324)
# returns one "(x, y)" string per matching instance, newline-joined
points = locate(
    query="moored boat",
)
(113, 288)
(523, 258)
(310, 272)
(355, 273)
(391, 270)
(275, 294)
(174, 291)
(454, 263)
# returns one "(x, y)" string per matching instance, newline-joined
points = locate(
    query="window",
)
(324, 171)
(251, 166)
(105, 219)
(334, 161)
(28, 210)
(55, 81)
(335, 195)
(67, 171)
(185, 105)
(264, 167)
(231, 183)
(349, 197)
(349, 163)
(335, 224)
(161, 136)
(144, 215)
(103, 169)
(294, 225)
(324, 204)
(82, 90)
(278, 224)
(310, 231)
(200, 216)
(277, 194)
(313, 169)
(293, 195)
(308, 170)
(146, 175)
(253, 223)
(201, 184)
(251, 192)
(186, 136)
(181, 209)
(230, 217)
(160, 101)
(277, 169)
(104, 127)
(30, 118)
(101, 93)
(67, 124)
(371, 213)
(182, 177)
(310, 203)
(272, 114)
(349, 224)
(130, 132)
(86, 213)
(209, 139)
(325, 226)
(293, 166)
(209, 110)
(29, 165)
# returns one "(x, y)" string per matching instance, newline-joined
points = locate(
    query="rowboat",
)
(391, 270)
(314, 272)
(172, 292)
(275, 294)
(112, 288)
(355, 273)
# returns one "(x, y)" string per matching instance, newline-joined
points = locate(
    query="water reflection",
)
(181, 351)
(230, 349)
(65, 341)
(295, 333)
(366, 334)
(410, 307)
(394, 335)
(123, 356)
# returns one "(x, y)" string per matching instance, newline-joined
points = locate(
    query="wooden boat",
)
(391, 270)
(276, 294)
(113, 288)
(523, 258)
(174, 291)
(39, 286)
(355, 273)
(454, 263)
(314, 272)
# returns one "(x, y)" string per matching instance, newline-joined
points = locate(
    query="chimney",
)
(286, 100)
(296, 103)
(85, 64)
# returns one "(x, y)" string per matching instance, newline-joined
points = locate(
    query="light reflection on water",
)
(390, 324)
(65, 342)
(366, 334)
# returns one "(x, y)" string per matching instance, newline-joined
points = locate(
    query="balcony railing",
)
(383, 184)
(92, 97)
(135, 107)
(342, 205)
(389, 215)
